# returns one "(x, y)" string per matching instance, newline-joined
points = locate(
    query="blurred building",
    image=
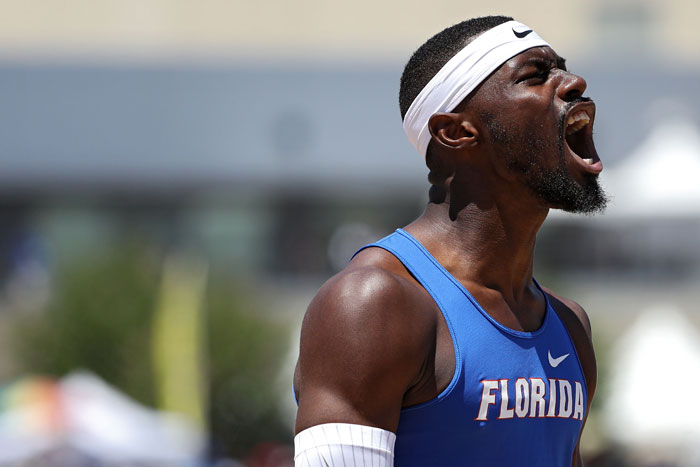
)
(259, 129)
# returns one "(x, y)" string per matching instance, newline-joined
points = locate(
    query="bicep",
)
(357, 358)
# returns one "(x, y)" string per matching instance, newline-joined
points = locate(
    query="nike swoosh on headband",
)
(522, 34)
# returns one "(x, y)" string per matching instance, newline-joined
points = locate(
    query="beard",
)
(554, 186)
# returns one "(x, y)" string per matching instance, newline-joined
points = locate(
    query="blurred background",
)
(179, 177)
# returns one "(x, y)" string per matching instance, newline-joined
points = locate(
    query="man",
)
(435, 346)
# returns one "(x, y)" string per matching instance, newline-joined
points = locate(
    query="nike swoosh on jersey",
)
(554, 362)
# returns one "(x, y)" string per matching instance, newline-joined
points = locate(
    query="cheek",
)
(542, 123)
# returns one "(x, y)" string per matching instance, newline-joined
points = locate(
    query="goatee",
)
(555, 187)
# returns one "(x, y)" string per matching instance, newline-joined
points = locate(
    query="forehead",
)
(535, 55)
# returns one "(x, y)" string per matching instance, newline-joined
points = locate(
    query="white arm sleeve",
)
(344, 445)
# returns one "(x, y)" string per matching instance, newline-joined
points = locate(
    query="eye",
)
(537, 76)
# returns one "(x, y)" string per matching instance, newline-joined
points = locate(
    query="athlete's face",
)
(541, 128)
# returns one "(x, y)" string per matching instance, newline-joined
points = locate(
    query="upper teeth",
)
(577, 121)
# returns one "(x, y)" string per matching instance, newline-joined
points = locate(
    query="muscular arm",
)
(577, 323)
(363, 345)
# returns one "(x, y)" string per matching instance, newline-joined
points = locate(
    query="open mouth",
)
(579, 137)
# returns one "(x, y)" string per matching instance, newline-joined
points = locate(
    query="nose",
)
(571, 87)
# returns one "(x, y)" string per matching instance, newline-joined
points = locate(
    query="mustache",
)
(578, 100)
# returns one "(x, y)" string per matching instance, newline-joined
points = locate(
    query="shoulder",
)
(364, 340)
(563, 304)
(368, 303)
(373, 289)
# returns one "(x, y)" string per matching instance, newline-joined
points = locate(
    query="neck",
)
(487, 244)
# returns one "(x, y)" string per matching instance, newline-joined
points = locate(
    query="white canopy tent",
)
(661, 178)
(653, 379)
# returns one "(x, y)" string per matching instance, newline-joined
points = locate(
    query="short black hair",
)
(438, 50)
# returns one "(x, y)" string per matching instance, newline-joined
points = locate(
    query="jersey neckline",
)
(477, 305)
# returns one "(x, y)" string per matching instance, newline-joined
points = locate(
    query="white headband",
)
(463, 73)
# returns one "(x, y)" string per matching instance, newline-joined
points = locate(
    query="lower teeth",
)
(588, 161)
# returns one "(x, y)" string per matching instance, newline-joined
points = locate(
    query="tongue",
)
(582, 145)
(587, 150)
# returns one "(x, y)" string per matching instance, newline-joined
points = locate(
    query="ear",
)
(452, 130)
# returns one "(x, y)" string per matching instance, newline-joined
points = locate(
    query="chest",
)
(527, 388)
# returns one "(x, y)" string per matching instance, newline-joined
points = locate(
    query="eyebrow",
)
(561, 62)
(543, 62)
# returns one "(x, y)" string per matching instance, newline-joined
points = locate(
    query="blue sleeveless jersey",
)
(516, 398)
